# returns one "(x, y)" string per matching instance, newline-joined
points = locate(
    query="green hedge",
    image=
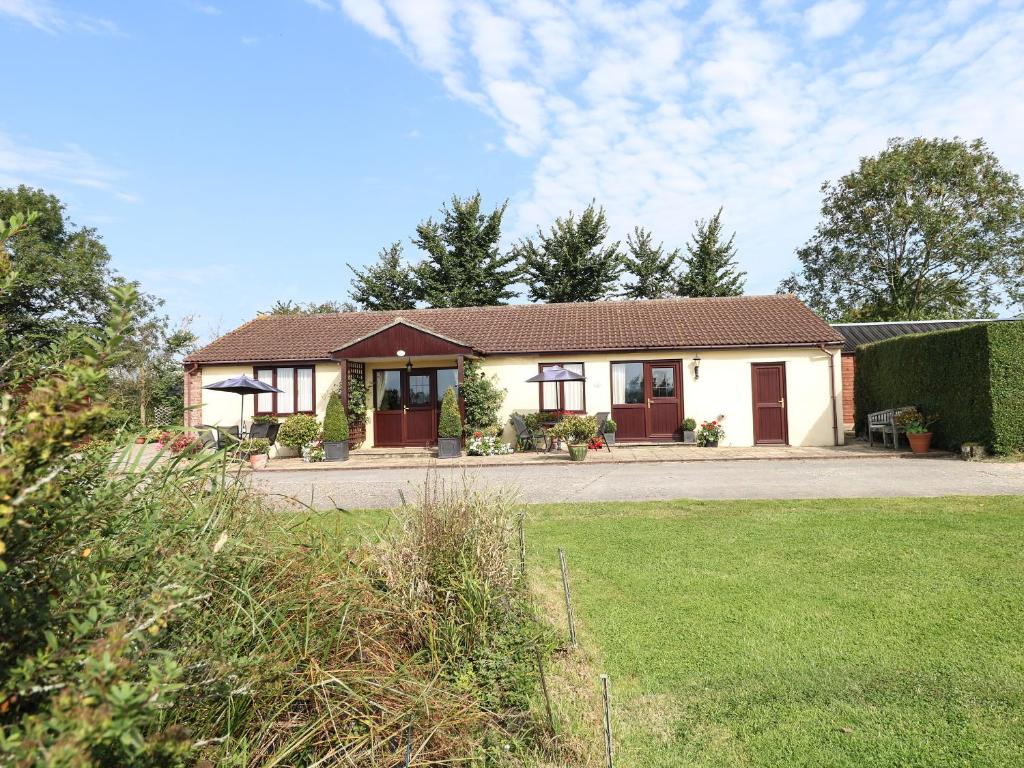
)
(972, 377)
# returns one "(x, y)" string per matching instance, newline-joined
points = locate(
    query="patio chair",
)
(601, 418)
(226, 436)
(208, 436)
(266, 431)
(528, 440)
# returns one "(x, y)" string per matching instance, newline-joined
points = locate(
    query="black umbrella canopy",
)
(557, 373)
(242, 385)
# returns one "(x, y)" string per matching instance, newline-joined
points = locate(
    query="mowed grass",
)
(817, 633)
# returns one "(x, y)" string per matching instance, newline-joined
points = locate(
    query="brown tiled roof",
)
(742, 321)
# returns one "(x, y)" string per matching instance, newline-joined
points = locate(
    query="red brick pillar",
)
(193, 395)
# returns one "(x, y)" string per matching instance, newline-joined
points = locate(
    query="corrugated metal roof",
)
(866, 333)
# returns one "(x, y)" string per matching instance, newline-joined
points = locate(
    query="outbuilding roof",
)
(741, 321)
(856, 334)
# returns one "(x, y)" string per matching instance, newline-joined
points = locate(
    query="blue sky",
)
(235, 153)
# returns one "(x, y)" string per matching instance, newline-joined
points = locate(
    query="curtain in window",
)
(304, 386)
(286, 398)
(618, 383)
(265, 401)
(573, 390)
(551, 396)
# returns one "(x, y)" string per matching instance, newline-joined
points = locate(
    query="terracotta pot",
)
(920, 442)
(578, 452)
(140, 440)
(258, 460)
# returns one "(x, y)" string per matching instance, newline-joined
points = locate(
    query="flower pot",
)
(920, 442)
(577, 452)
(258, 460)
(335, 451)
(689, 436)
(449, 447)
(710, 444)
(141, 440)
(609, 438)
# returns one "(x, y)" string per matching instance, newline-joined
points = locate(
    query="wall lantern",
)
(696, 366)
(408, 366)
(400, 353)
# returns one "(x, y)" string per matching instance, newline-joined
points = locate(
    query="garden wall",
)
(972, 378)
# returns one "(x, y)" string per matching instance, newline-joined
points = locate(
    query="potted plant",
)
(610, 428)
(449, 428)
(916, 425)
(576, 431)
(264, 419)
(710, 433)
(255, 449)
(689, 427)
(335, 430)
(297, 431)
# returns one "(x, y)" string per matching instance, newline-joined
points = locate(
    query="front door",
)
(407, 405)
(646, 400)
(768, 381)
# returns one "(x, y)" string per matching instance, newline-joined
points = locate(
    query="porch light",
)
(408, 366)
(696, 366)
(400, 353)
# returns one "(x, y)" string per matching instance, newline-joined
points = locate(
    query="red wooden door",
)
(420, 418)
(662, 385)
(388, 405)
(646, 400)
(768, 381)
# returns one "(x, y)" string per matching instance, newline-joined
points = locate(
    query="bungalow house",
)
(856, 334)
(767, 364)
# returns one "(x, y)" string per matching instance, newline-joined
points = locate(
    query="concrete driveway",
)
(761, 479)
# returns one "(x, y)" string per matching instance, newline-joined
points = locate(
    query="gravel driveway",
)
(763, 479)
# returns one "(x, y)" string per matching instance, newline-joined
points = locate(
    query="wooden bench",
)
(885, 423)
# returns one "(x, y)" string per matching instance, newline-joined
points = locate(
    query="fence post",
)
(544, 689)
(607, 721)
(568, 598)
(522, 545)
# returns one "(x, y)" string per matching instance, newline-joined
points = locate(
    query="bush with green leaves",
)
(357, 401)
(335, 421)
(575, 429)
(482, 397)
(298, 430)
(689, 425)
(450, 424)
(254, 446)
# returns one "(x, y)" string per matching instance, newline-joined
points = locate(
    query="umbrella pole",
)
(241, 419)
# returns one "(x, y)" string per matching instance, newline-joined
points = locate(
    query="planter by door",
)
(449, 447)
(609, 438)
(336, 451)
(258, 460)
(768, 385)
(689, 436)
(920, 442)
(577, 452)
(647, 401)
(710, 444)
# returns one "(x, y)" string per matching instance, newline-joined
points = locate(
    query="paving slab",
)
(794, 478)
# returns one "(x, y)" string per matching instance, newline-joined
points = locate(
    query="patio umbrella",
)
(557, 373)
(242, 385)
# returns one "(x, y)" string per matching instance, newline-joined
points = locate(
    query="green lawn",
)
(863, 632)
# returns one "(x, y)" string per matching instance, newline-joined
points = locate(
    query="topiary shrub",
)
(450, 424)
(335, 421)
(298, 430)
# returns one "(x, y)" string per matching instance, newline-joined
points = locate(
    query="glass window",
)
(627, 383)
(663, 382)
(304, 390)
(419, 389)
(265, 401)
(563, 395)
(286, 397)
(447, 378)
(387, 390)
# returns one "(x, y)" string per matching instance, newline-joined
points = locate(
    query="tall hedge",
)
(972, 378)
(335, 421)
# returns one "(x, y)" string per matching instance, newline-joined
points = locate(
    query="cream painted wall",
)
(724, 388)
(221, 408)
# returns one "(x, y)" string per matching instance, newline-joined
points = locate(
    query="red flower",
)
(714, 423)
(478, 434)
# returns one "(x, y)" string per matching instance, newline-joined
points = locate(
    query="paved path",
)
(766, 479)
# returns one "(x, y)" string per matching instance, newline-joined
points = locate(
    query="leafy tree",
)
(710, 269)
(464, 267)
(388, 284)
(290, 307)
(60, 273)
(654, 270)
(928, 228)
(482, 397)
(570, 263)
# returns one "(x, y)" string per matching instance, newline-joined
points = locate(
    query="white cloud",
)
(69, 165)
(208, 10)
(371, 15)
(46, 16)
(832, 17)
(663, 113)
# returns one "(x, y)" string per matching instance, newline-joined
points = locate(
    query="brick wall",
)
(849, 366)
(193, 396)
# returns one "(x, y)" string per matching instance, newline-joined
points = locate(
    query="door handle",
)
(782, 402)
(405, 408)
(648, 402)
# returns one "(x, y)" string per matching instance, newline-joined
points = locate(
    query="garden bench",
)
(884, 422)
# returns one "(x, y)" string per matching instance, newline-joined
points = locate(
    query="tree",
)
(654, 270)
(710, 269)
(464, 267)
(290, 307)
(928, 228)
(60, 273)
(388, 284)
(569, 263)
